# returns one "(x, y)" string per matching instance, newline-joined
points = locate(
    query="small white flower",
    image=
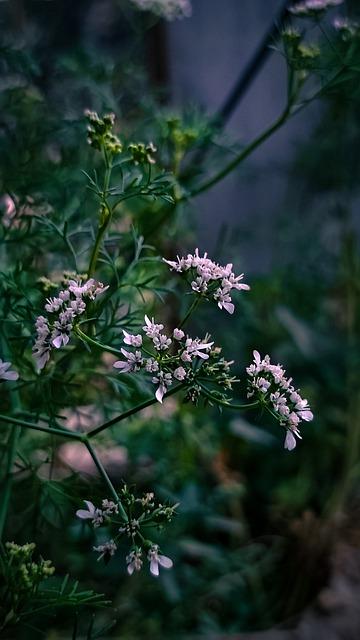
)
(8, 210)
(180, 373)
(109, 507)
(151, 366)
(131, 340)
(195, 348)
(53, 304)
(89, 289)
(178, 334)
(164, 380)
(151, 329)
(224, 300)
(91, 513)
(133, 362)
(199, 285)
(157, 560)
(6, 373)
(161, 342)
(290, 440)
(61, 339)
(107, 549)
(263, 384)
(134, 561)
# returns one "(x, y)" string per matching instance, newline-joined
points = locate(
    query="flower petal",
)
(165, 562)
(10, 375)
(159, 394)
(154, 567)
(290, 441)
(83, 514)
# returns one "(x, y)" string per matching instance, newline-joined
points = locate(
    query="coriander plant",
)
(86, 318)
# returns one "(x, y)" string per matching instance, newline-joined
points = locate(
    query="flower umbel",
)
(172, 358)
(209, 279)
(54, 330)
(274, 389)
(140, 514)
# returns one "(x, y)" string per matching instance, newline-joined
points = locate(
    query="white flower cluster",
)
(168, 9)
(6, 373)
(164, 367)
(156, 559)
(269, 381)
(313, 7)
(55, 329)
(108, 548)
(209, 279)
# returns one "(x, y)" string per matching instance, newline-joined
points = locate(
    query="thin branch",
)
(130, 412)
(242, 155)
(36, 427)
(248, 75)
(105, 477)
(95, 343)
(228, 405)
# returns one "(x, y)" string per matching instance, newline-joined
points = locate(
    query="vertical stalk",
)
(190, 310)
(105, 219)
(12, 447)
(106, 478)
(8, 479)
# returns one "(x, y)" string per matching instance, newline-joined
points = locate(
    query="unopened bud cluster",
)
(101, 137)
(141, 513)
(100, 133)
(142, 153)
(301, 56)
(24, 571)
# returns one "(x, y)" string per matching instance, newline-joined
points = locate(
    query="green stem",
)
(13, 442)
(12, 448)
(37, 427)
(105, 477)
(244, 153)
(130, 412)
(192, 308)
(330, 42)
(287, 113)
(223, 403)
(105, 223)
(95, 343)
(300, 106)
